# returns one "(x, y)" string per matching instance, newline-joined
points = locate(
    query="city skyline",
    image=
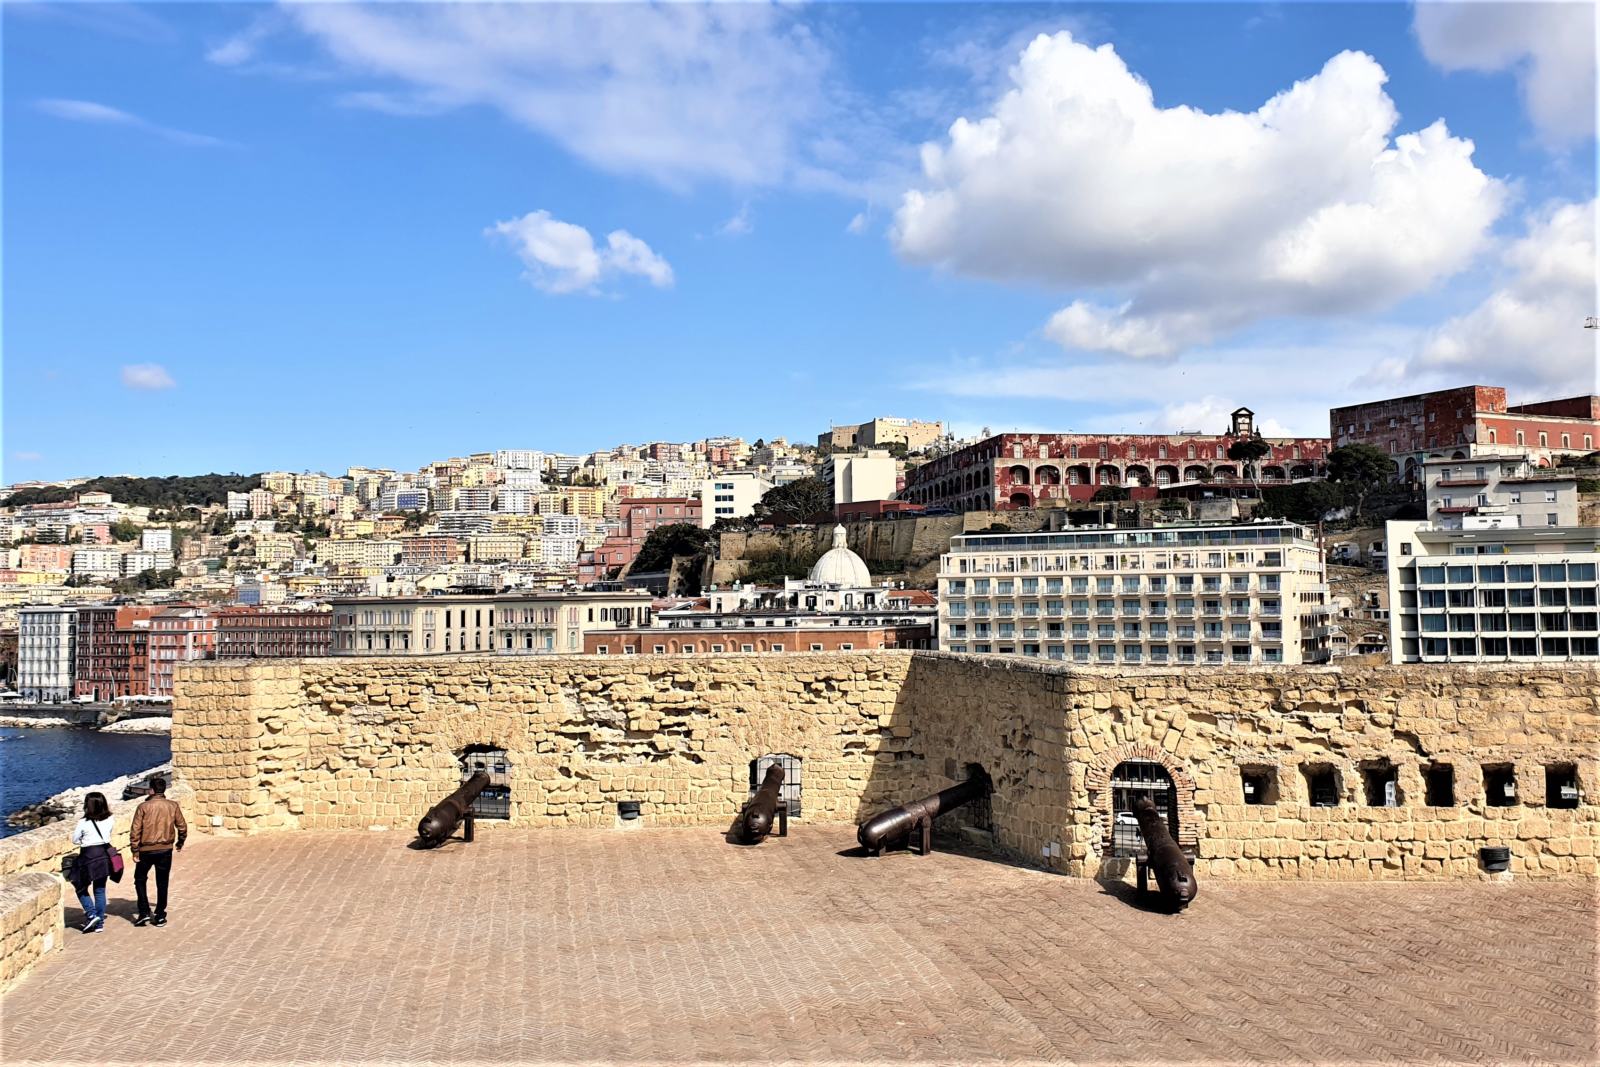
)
(250, 238)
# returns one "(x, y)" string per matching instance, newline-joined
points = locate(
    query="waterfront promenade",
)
(658, 945)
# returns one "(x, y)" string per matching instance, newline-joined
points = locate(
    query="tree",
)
(804, 500)
(1248, 450)
(1360, 469)
(1306, 502)
(124, 530)
(1109, 494)
(667, 542)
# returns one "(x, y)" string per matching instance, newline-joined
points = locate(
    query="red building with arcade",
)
(1015, 470)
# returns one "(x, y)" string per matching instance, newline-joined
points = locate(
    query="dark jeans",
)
(162, 862)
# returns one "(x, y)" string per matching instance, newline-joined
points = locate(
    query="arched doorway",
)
(1131, 781)
(1021, 500)
(1019, 475)
(790, 790)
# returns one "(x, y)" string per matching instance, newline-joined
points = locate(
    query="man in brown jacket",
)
(158, 828)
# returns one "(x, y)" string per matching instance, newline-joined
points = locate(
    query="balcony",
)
(1461, 483)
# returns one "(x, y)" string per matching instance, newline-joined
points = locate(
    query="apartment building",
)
(432, 551)
(1235, 594)
(177, 635)
(521, 623)
(112, 657)
(1493, 594)
(156, 539)
(46, 648)
(638, 517)
(358, 553)
(730, 495)
(266, 633)
(97, 563)
(856, 477)
(1498, 490)
(1461, 423)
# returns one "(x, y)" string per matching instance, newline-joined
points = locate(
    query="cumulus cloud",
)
(1528, 333)
(102, 114)
(561, 257)
(674, 91)
(1198, 223)
(1550, 47)
(146, 376)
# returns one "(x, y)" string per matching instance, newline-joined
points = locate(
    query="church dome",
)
(840, 566)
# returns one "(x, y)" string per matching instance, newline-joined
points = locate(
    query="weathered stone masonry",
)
(355, 743)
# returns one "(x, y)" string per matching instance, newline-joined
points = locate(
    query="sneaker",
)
(93, 925)
(143, 920)
(161, 920)
(88, 926)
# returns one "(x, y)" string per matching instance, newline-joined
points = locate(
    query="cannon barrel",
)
(443, 818)
(755, 822)
(898, 822)
(1174, 875)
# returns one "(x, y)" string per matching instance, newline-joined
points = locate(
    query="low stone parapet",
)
(31, 923)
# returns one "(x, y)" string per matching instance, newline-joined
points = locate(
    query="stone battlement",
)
(354, 743)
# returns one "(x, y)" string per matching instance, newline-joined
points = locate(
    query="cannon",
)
(1174, 875)
(443, 818)
(755, 822)
(888, 826)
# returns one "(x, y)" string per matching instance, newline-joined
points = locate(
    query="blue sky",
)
(243, 237)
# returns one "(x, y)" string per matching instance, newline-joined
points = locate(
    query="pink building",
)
(638, 518)
(177, 635)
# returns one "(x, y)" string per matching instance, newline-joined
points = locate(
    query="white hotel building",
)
(1249, 593)
(1491, 595)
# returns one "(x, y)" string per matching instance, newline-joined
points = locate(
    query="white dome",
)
(840, 566)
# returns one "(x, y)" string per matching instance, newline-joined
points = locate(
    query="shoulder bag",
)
(113, 857)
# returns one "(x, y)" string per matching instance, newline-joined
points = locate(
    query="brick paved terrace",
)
(671, 945)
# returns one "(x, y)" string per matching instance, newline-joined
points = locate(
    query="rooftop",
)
(670, 945)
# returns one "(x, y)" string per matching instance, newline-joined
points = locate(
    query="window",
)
(1322, 785)
(495, 800)
(1382, 785)
(790, 789)
(1500, 785)
(1131, 781)
(1561, 785)
(1260, 784)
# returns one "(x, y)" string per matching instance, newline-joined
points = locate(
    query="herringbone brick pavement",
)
(673, 946)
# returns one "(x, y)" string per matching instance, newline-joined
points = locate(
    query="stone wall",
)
(31, 924)
(355, 743)
(1050, 737)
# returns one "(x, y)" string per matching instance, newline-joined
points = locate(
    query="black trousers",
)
(162, 862)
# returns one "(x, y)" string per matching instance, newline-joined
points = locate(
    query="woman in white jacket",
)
(93, 838)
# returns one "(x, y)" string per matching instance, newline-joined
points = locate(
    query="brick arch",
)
(1097, 780)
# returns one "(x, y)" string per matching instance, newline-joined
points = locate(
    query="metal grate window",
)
(790, 790)
(495, 801)
(1130, 781)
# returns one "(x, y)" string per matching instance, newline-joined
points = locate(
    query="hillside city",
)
(1216, 545)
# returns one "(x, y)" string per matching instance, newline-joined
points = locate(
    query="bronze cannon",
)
(1174, 875)
(755, 822)
(443, 818)
(896, 823)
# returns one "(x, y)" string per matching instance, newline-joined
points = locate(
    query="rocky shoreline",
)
(69, 802)
(88, 720)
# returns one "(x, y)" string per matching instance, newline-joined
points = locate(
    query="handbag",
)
(113, 857)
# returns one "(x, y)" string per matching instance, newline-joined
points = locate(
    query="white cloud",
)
(674, 91)
(1199, 224)
(1528, 333)
(27, 457)
(1550, 46)
(561, 257)
(146, 376)
(858, 224)
(102, 114)
(739, 224)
